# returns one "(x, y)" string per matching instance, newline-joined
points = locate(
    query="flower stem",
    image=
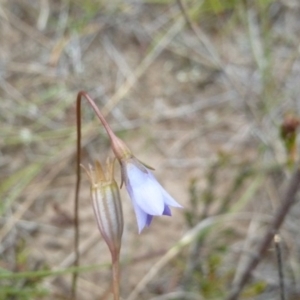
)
(116, 276)
(97, 111)
(76, 200)
(78, 177)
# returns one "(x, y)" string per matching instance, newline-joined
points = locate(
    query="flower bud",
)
(107, 205)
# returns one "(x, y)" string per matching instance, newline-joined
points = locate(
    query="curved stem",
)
(97, 111)
(78, 176)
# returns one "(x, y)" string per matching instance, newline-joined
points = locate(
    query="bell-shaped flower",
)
(107, 205)
(148, 197)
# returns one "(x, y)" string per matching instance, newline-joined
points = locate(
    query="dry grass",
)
(201, 109)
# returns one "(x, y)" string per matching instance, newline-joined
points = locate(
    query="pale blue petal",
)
(141, 217)
(169, 199)
(167, 211)
(149, 220)
(148, 197)
(137, 175)
(146, 191)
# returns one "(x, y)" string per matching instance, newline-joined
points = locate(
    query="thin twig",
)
(287, 202)
(218, 64)
(144, 65)
(30, 31)
(199, 35)
(277, 241)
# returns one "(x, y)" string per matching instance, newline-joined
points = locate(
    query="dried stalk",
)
(288, 200)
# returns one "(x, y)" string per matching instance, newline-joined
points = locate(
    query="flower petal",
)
(149, 220)
(148, 197)
(168, 199)
(167, 211)
(137, 174)
(141, 217)
(145, 190)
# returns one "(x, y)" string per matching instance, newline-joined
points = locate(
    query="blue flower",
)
(148, 197)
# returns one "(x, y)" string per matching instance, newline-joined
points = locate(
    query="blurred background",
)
(202, 91)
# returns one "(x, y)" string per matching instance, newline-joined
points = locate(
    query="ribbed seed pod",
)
(107, 205)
